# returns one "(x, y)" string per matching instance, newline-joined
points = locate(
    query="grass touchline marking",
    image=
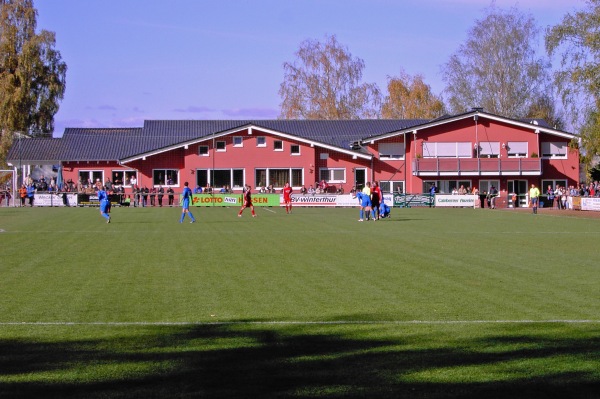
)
(274, 322)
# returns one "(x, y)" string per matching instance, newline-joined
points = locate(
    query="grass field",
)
(435, 303)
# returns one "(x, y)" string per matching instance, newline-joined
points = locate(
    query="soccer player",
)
(287, 198)
(384, 210)
(247, 201)
(534, 196)
(185, 203)
(376, 197)
(104, 202)
(365, 205)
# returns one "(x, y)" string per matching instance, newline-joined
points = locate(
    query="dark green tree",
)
(32, 75)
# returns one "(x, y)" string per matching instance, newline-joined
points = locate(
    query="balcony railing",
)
(476, 166)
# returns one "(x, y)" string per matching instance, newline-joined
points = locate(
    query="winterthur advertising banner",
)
(330, 200)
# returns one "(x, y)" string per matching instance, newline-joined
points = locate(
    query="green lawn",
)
(430, 303)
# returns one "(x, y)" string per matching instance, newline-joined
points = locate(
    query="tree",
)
(577, 41)
(544, 107)
(325, 83)
(496, 68)
(410, 98)
(32, 74)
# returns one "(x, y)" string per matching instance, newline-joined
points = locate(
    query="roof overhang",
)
(250, 128)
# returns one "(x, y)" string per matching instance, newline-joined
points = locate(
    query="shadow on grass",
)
(303, 361)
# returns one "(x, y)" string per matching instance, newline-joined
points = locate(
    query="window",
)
(261, 141)
(218, 178)
(203, 150)
(391, 186)
(278, 145)
(331, 175)
(391, 150)
(516, 149)
(447, 150)
(489, 149)
(165, 177)
(278, 177)
(554, 150)
(446, 186)
(90, 177)
(552, 183)
(123, 177)
(295, 149)
(238, 141)
(220, 146)
(485, 185)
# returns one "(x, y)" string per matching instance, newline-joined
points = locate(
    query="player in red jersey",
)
(287, 198)
(376, 197)
(247, 201)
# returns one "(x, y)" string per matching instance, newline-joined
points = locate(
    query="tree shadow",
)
(247, 360)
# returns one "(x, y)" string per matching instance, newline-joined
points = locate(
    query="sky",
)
(135, 60)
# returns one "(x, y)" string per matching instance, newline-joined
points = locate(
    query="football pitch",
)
(432, 303)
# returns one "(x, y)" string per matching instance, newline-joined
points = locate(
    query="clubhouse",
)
(472, 149)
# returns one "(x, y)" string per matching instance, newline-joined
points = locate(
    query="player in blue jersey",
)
(384, 210)
(365, 205)
(104, 203)
(186, 199)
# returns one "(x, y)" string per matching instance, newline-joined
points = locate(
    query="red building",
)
(474, 149)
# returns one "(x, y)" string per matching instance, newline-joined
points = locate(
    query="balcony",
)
(477, 166)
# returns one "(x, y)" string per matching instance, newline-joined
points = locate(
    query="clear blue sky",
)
(131, 60)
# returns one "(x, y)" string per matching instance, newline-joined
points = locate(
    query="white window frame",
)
(90, 173)
(238, 141)
(446, 186)
(292, 152)
(511, 151)
(489, 149)
(200, 153)
(125, 172)
(261, 141)
(224, 143)
(165, 178)
(331, 172)
(548, 152)
(275, 142)
(393, 186)
(391, 151)
(461, 149)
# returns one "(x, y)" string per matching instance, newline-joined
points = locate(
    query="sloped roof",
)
(113, 144)
(530, 123)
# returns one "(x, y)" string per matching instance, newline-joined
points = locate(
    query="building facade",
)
(474, 149)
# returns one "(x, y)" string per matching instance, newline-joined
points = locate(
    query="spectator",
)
(161, 193)
(23, 194)
(197, 190)
(145, 192)
(171, 195)
(550, 197)
(303, 190)
(311, 190)
(462, 190)
(30, 193)
(153, 196)
(491, 197)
